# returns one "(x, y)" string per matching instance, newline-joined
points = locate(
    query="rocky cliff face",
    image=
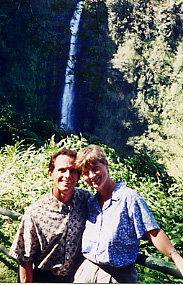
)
(104, 102)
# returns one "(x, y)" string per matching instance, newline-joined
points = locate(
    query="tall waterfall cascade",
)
(68, 93)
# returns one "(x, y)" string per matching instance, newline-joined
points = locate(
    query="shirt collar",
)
(58, 205)
(115, 194)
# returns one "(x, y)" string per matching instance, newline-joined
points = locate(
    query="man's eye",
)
(85, 173)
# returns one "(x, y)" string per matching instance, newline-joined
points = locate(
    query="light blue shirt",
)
(112, 235)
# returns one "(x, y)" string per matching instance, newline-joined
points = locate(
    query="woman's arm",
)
(160, 240)
(26, 272)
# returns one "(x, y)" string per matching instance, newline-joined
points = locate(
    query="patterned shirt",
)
(50, 233)
(112, 235)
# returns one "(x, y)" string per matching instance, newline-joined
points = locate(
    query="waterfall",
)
(68, 93)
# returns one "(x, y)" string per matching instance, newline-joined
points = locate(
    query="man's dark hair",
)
(62, 151)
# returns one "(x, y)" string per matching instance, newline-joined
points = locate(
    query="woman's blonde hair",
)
(89, 156)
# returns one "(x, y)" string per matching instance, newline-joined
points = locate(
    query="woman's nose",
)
(91, 174)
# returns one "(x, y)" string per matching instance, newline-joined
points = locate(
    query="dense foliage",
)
(149, 36)
(16, 127)
(24, 179)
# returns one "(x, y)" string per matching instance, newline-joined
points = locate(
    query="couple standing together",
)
(109, 225)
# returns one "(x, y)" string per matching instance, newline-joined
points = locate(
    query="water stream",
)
(68, 93)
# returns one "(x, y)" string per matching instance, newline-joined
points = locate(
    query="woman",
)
(118, 218)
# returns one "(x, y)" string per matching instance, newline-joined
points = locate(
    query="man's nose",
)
(67, 173)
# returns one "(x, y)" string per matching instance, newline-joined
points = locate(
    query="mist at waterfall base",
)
(67, 106)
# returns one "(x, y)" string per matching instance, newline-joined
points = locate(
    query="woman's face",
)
(96, 175)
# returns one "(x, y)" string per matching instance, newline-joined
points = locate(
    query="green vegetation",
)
(149, 59)
(24, 179)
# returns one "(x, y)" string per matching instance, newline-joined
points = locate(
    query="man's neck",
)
(65, 199)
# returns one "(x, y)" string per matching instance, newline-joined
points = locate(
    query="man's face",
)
(64, 176)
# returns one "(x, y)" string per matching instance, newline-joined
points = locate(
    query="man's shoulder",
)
(82, 193)
(39, 203)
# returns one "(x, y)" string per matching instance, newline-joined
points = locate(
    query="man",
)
(118, 218)
(48, 241)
